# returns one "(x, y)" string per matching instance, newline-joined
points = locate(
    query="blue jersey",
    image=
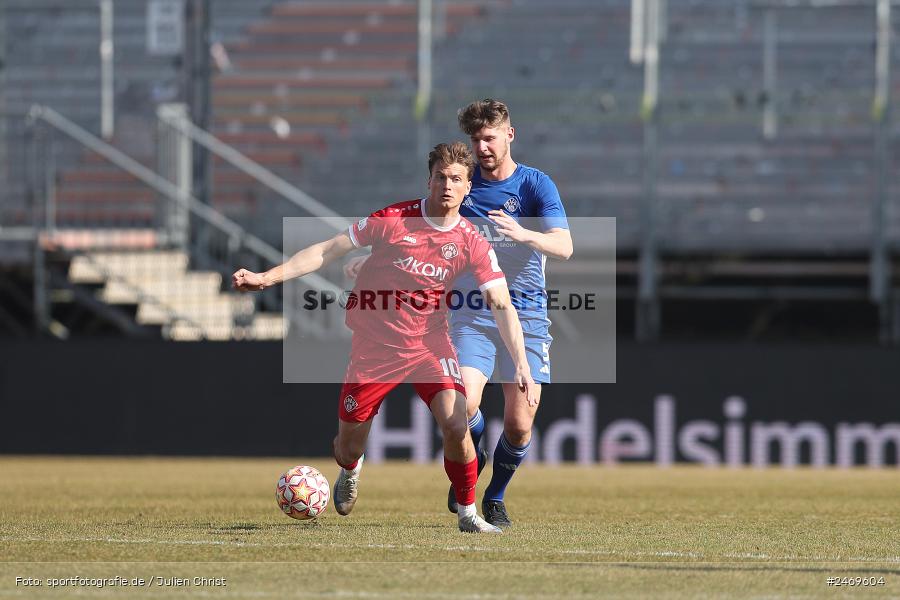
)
(531, 197)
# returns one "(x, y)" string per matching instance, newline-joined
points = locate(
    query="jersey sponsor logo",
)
(449, 251)
(417, 267)
(512, 205)
(496, 239)
(491, 235)
(361, 224)
(350, 403)
(409, 238)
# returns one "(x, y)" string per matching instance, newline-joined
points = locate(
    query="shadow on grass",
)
(300, 527)
(259, 527)
(240, 527)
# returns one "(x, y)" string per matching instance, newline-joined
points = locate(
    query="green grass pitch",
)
(625, 532)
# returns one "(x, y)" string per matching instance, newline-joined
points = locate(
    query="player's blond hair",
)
(450, 154)
(481, 114)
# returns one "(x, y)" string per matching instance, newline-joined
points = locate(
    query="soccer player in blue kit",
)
(503, 193)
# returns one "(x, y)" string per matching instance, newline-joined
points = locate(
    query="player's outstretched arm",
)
(304, 262)
(510, 328)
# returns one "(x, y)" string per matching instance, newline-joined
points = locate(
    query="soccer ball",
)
(302, 493)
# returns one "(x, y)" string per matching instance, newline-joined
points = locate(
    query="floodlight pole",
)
(198, 87)
(35, 142)
(638, 22)
(770, 74)
(422, 109)
(107, 71)
(175, 163)
(879, 269)
(647, 314)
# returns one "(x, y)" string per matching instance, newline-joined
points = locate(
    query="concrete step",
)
(204, 311)
(196, 285)
(92, 267)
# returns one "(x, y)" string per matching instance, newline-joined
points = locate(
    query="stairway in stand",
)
(187, 305)
(297, 82)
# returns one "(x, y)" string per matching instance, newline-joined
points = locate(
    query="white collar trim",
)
(435, 225)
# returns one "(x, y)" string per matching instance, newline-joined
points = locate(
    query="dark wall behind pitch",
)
(124, 397)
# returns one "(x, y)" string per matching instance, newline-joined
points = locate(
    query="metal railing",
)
(237, 238)
(252, 168)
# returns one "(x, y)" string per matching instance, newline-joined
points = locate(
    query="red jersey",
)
(404, 289)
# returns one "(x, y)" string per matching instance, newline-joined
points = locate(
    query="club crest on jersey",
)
(361, 224)
(511, 205)
(350, 403)
(449, 251)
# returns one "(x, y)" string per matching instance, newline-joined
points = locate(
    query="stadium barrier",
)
(713, 404)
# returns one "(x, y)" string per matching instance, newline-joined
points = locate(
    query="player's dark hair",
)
(449, 154)
(481, 114)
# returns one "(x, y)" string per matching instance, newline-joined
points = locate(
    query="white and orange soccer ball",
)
(302, 493)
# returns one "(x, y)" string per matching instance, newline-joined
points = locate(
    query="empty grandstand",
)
(761, 191)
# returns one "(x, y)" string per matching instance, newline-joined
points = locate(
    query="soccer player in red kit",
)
(398, 314)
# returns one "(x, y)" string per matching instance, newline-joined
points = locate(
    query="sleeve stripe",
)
(353, 237)
(492, 283)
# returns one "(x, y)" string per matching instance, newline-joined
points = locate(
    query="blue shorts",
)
(482, 348)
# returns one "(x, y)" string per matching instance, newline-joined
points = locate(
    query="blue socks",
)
(507, 458)
(476, 427)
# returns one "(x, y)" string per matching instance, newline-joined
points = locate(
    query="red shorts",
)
(375, 370)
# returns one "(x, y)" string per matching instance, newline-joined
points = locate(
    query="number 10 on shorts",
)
(451, 368)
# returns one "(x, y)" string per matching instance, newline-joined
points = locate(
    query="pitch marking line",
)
(586, 552)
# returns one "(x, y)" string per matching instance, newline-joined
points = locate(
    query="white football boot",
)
(346, 489)
(470, 522)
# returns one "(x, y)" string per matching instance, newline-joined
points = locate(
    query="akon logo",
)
(411, 265)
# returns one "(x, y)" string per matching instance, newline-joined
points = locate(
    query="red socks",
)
(349, 467)
(463, 477)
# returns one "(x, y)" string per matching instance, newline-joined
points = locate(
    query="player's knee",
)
(455, 430)
(471, 408)
(518, 434)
